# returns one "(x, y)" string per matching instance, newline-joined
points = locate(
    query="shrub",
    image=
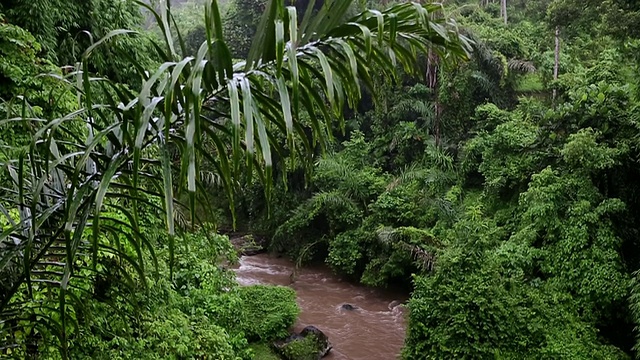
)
(188, 318)
(301, 349)
(479, 304)
(263, 352)
(346, 251)
(268, 311)
(163, 331)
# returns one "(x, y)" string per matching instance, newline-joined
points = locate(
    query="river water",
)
(373, 331)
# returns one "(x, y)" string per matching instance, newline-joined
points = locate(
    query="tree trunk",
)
(431, 77)
(556, 61)
(432, 83)
(503, 10)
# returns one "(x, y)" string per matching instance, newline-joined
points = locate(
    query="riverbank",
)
(373, 329)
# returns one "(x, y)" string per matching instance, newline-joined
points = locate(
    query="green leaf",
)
(247, 103)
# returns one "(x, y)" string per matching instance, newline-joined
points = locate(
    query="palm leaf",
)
(522, 66)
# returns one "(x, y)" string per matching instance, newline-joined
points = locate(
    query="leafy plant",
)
(269, 312)
(301, 349)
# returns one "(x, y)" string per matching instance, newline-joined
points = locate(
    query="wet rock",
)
(310, 344)
(348, 307)
(247, 245)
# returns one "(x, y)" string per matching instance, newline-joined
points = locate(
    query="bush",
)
(161, 331)
(487, 317)
(346, 251)
(301, 349)
(179, 337)
(263, 352)
(479, 304)
(268, 311)
(171, 319)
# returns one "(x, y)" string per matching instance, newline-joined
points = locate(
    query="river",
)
(375, 330)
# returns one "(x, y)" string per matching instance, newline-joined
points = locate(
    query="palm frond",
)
(412, 172)
(420, 244)
(483, 82)
(521, 66)
(420, 110)
(333, 199)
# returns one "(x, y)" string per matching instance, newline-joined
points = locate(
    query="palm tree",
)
(123, 149)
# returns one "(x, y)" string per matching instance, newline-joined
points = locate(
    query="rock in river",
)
(348, 307)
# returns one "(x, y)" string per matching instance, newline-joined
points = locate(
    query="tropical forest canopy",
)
(481, 154)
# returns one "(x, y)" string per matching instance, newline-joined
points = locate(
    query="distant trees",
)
(242, 17)
(503, 8)
(241, 22)
(65, 28)
(619, 17)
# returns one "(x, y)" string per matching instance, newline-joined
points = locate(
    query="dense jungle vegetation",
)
(482, 154)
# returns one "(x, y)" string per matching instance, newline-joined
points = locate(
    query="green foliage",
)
(163, 322)
(634, 304)
(23, 73)
(263, 352)
(167, 334)
(301, 349)
(508, 197)
(540, 266)
(402, 128)
(581, 234)
(150, 154)
(194, 274)
(19, 51)
(609, 17)
(479, 304)
(347, 251)
(508, 157)
(516, 211)
(400, 251)
(399, 205)
(268, 311)
(66, 28)
(188, 19)
(354, 184)
(241, 22)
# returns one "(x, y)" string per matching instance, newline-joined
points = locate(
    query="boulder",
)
(310, 344)
(348, 307)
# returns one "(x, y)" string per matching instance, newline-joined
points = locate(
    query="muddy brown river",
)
(375, 330)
